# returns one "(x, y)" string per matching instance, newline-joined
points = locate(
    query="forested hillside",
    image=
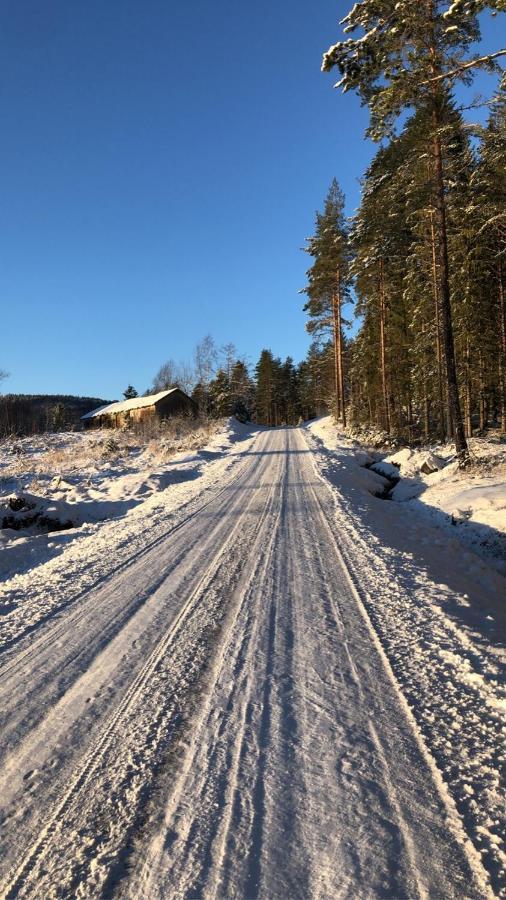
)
(22, 414)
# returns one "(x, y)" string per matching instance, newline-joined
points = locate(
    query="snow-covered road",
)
(219, 719)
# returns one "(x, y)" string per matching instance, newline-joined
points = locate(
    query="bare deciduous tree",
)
(229, 356)
(206, 356)
(174, 374)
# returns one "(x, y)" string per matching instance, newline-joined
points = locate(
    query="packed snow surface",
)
(261, 681)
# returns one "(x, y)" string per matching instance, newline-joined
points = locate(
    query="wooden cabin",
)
(173, 402)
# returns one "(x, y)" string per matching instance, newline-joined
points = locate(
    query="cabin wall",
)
(122, 419)
(173, 405)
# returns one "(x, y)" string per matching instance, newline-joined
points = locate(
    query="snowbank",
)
(349, 451)
(472, 503)
(468, 505)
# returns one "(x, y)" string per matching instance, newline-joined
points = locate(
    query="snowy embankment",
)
(438, 608)
(471, 503)
(118, 494)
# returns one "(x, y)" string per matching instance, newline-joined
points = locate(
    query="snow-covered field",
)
(126, 498)
(256, 679)
(86, 478)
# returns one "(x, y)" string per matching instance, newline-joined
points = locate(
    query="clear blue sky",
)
(161, 166)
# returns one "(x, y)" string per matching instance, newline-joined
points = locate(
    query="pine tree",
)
(422, 282)
(487, 209)
(200, 396)
(241, 392)
(219, 400)
(329, 283)
(407, 52)
(316, 378)
(267, 385)
(288, 393)
(381, 237)
(59, 417)
(130, 393)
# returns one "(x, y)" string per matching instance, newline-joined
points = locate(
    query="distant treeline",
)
(23, 414)
(221, 383)
(279, 392)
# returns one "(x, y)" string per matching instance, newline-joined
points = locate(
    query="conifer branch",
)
(469, 65)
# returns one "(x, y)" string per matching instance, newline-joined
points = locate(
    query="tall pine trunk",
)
(336, 359)
(502, 345)
(338, 352)
(426, 402)
(436, 102)
(382, 348)
(444, 413)
(481, 400)
(339, 334)
(445, 300)
(337, 380)
(468, 425)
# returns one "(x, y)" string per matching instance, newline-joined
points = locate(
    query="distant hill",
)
(22, 414)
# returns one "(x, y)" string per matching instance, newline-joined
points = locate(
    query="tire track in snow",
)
(22, 631)
(220, 784)
(88, 597)
(441, 672)
(421, 888)
(85, 633)
(39, 853)
(310, 802)
(318, 809)
(318, 566)
(453, 818)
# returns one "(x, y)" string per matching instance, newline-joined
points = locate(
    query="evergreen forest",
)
(406, 300)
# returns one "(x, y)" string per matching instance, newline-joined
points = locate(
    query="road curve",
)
(218, 720)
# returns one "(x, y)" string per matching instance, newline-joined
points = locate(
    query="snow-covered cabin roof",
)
(124, 405)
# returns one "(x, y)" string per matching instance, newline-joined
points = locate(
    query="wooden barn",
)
(173, 402)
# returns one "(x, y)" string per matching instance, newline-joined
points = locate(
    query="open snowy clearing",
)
(260, 682)
(82, 479)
